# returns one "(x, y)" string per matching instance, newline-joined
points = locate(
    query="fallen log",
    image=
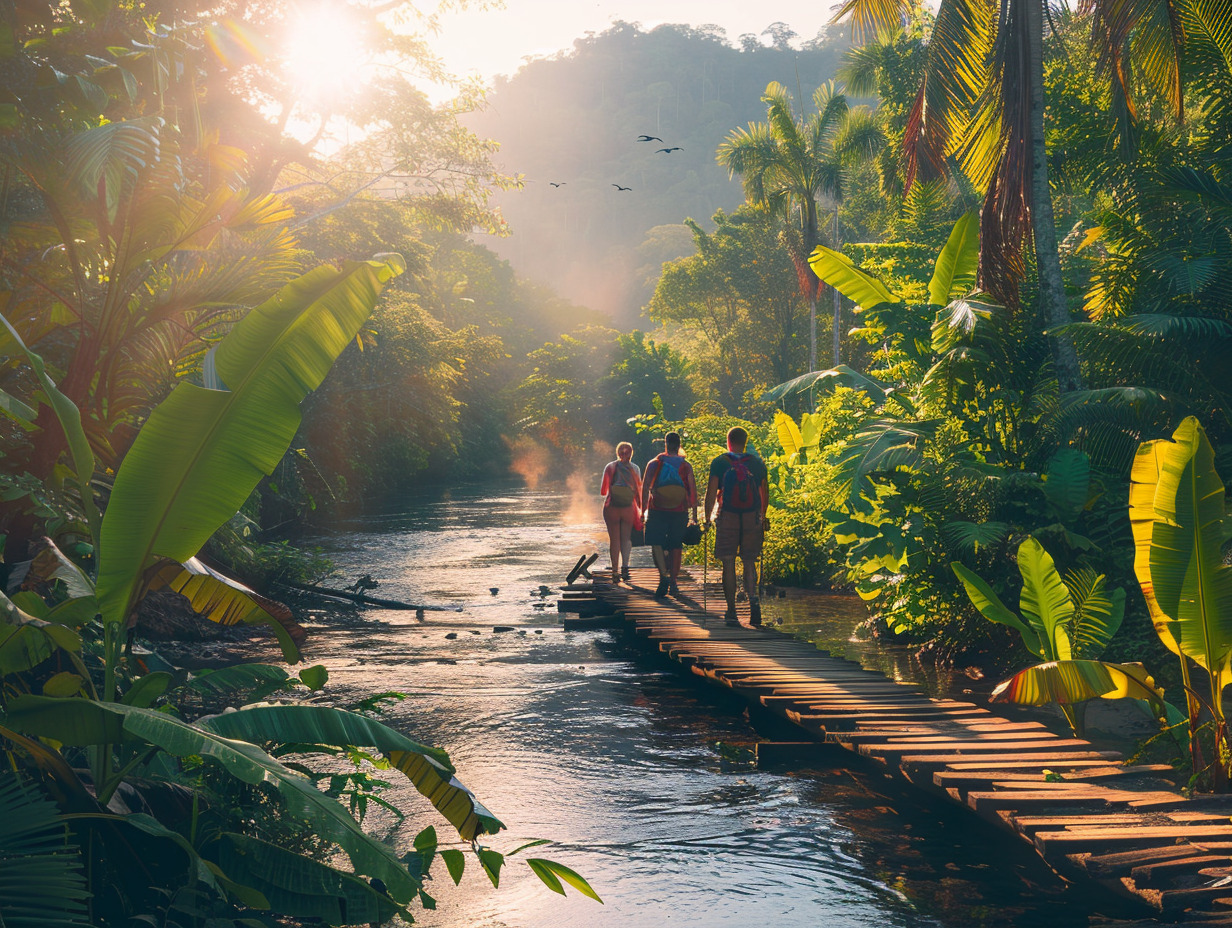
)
(364, 599)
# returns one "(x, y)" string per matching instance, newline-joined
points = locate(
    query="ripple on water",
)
(573, 737)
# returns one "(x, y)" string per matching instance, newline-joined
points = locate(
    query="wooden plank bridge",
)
(1087, 813)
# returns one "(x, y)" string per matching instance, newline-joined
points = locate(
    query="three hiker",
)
(622, 494)
(669, 492)
(738, 481)
(737, 494)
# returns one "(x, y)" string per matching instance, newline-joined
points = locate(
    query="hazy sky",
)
(496, 41)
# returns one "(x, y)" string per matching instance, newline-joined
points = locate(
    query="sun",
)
(325, 55)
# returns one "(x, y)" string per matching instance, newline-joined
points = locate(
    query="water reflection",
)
(582, 738)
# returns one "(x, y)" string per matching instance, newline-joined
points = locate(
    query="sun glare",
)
(325, 54)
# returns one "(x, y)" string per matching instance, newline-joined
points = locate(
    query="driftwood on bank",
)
(364, 599)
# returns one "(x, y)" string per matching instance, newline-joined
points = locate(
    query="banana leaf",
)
(300, 887)
(427, 768)
(25, 642)
(956, 264)
(859, 286)
(992, 608)
(41, 880)
(1191, 584)
(1045, 601)
(789, 433)
(225, 601)
(1069, 682)
(203, 451)
(1143, 480)
(84, 722)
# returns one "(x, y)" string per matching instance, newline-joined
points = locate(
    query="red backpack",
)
(740, 492)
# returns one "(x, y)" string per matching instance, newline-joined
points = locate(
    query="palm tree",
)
(789, 164)
(981, 105)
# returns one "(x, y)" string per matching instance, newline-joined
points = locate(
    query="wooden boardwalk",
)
(1123, 826)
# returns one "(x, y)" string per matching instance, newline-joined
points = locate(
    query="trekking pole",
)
(705, 572)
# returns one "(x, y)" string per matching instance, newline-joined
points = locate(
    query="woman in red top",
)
(622, 489)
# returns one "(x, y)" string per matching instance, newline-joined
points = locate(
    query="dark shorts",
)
(738, 533)
(666, 529)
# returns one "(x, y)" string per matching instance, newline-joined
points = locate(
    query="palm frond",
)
(41, 881)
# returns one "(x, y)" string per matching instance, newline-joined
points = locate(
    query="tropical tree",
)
(982, 103)
(789, 164)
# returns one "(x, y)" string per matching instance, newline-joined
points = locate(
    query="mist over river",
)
(583, 738)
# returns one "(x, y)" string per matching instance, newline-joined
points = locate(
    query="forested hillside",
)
(574, 120)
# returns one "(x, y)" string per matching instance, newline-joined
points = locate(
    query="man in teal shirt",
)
(739, 482)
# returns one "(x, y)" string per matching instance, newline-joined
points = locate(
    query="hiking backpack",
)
(740, 492)
(669, 489)
(620, 490)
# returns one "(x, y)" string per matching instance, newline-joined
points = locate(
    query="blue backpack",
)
(669, 489)
(740, 492)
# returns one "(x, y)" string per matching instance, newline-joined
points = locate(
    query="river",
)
(582, 738)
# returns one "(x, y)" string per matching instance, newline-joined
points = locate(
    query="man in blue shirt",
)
(740, 484)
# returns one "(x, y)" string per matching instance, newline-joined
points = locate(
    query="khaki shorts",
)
(738, 533)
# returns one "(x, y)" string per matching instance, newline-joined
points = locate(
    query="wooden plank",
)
(962, 777)
(1162, 871)
(1056, 759)
(1125, 861)
(958, 747)
(1054, 842)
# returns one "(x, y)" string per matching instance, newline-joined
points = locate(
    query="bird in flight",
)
(649, 138)
(618, 187)
(668, 151)
(554, 184)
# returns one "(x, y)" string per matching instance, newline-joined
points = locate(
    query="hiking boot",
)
(673, 590)
(624, 574)
(661, 589)
(755, 613)
(729, 618)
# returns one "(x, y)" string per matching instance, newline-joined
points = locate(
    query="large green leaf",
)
(84, 722)
(1069, 682)
(25, 642)
(859, 286)
(203, 451)
(41, 881)
(300, 887)
(992, 608)
(1191, 584)
(427, 768)
(1045, 602)
(954, 273)
(1067, 482)
(1143, 481)
(225, 601)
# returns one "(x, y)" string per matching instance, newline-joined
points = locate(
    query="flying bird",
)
(668, 151)
(554, 184)
(618, 187)
(649, 138)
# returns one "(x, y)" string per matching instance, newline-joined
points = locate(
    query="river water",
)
(629, 768)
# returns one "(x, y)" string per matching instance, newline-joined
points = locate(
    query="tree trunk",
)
(838, 327)
(1053, 303)
(813, 332)
(838, 303)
